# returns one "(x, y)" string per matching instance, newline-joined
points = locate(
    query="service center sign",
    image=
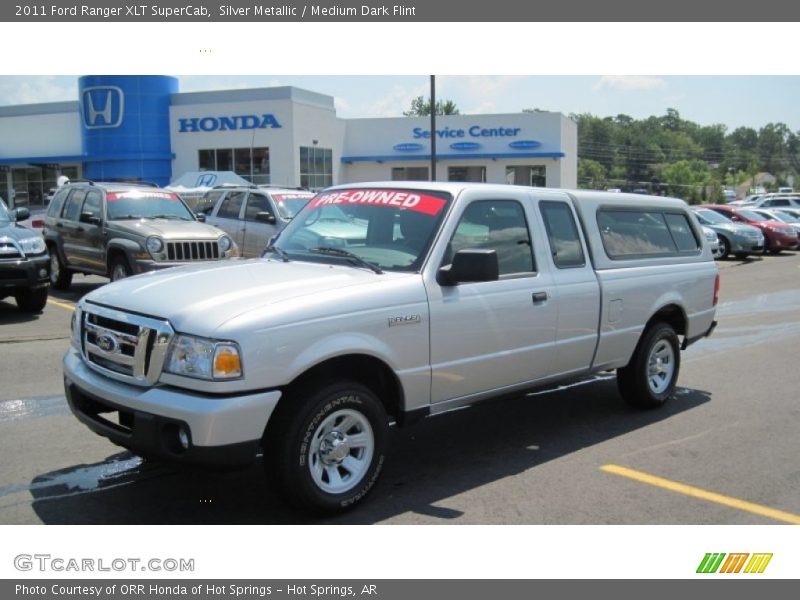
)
(410, 200)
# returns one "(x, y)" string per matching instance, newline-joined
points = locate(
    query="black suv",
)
(24, 264)
(120, 229)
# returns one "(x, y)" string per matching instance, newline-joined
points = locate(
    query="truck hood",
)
(168, 229)
(200, 299)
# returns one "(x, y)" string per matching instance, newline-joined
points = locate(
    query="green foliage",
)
(420, 107)
(673, 155)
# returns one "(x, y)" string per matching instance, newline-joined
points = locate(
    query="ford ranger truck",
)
(383, 303)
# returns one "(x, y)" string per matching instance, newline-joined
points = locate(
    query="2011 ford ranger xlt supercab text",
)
(412, 299)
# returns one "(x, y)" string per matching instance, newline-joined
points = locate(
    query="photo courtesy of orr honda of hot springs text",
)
(384, 303)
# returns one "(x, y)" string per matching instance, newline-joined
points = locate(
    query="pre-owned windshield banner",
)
(407, 11)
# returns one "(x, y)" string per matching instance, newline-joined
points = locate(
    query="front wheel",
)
(32, 301)
(60, 275)
(325, 446)
(724, 247)
(650, 377)
(119, 269)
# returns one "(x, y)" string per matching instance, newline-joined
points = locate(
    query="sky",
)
(732, 100)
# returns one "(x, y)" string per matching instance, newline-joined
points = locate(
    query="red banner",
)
(411, 200)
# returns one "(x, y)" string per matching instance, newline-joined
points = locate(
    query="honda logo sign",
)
(102, 106)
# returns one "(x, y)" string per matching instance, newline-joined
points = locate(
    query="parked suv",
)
(251, 215)
(24, 264)
(450, 294)
(120, 229)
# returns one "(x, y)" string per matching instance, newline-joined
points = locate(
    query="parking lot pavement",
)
(723, 451)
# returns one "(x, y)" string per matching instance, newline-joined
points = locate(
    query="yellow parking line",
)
(695, 492)
(61, 304)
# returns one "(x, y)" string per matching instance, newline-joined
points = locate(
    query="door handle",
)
(539, 297)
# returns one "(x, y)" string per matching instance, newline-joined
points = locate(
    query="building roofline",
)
(253, 94)
(46, 108)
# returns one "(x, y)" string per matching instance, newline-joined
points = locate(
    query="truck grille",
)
(123, 346)
(186, 251)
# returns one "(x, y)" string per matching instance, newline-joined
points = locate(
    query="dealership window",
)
(250, 163)
(32, 186)
(410, 174)
(527, 175)
(474, 174)
(316, 167)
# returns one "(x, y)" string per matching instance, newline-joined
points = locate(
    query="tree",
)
(591, 174)
(422, 108)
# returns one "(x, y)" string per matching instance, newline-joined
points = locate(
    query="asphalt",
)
(723, 451)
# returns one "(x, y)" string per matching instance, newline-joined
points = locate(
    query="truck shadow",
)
(434, 460)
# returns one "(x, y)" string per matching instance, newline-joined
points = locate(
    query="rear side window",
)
(565, 243)
(682, 232)
(631, 234)
(231, 205)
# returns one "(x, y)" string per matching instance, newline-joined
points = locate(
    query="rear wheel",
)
(60, 276)
(650, 377)
(32, 301)
(324, 448)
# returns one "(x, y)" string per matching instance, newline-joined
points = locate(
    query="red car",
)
(777, 236)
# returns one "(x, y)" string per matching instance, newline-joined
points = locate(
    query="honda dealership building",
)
(143, 128)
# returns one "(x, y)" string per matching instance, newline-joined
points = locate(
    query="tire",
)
(60, 275)
(724, 247)
(119, 269)
(650, 377)
(32, 301)
(325, 446)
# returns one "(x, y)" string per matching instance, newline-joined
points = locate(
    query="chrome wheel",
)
(341, 451)
(660, 367)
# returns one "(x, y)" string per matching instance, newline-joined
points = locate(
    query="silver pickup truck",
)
(425, 297)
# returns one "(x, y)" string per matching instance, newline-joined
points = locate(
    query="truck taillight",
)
(716, 290)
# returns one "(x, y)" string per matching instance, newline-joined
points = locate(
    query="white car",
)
(713, 241)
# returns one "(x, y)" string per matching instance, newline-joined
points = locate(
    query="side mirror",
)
(470, 265)
(21, 213)
(265, 217)
(200, 217)
(90, 218)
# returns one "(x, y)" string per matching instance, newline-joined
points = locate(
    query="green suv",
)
(122, 229)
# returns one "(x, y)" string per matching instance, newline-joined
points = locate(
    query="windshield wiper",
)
(279, 251)
(348, 255)
(165, 217)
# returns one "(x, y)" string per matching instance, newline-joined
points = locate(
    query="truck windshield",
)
(146, 205)
(391, 229)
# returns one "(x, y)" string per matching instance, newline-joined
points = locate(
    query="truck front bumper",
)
(168, 423)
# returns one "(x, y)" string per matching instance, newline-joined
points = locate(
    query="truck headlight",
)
(32, 245)
(154, 245)
(203, 358)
